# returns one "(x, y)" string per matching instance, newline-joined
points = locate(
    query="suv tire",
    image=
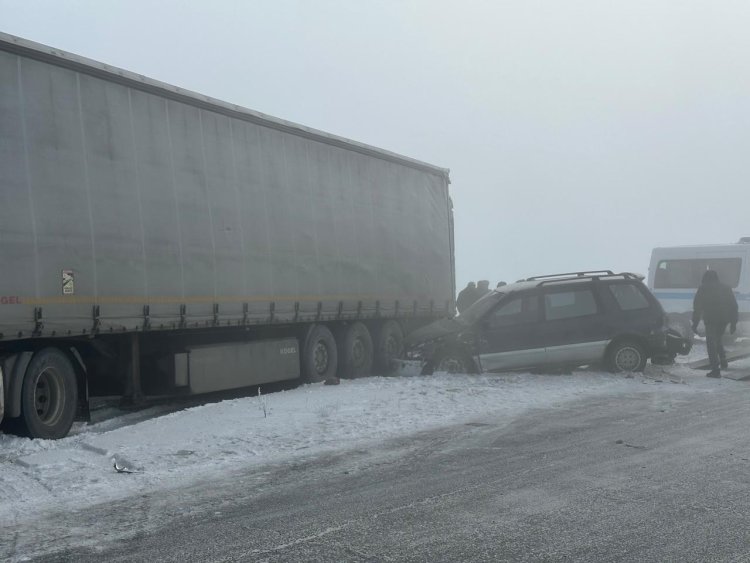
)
(625, 356)
(454, 362)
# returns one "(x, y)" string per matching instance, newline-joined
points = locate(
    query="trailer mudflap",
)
(14, 368)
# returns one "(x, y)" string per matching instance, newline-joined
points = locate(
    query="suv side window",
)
(628, 296)
(569, 304)
(521, 310)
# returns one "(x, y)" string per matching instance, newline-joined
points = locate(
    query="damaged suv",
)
(555, 321)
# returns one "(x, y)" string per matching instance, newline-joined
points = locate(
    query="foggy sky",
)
(579, 134)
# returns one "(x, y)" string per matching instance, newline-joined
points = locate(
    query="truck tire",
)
(625, 356)
(319, 356)
(389, 345)
(355, 351)
(49, 395)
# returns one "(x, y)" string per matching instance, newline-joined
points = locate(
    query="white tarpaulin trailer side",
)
(125, 203)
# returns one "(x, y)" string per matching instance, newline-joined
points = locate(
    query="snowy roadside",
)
(212, 439)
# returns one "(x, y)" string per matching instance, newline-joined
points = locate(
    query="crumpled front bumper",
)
(669, 345)
(676, 343)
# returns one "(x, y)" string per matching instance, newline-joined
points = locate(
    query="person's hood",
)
(710, 277)
(438, 329)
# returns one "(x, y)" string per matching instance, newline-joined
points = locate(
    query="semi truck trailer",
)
(155, 241)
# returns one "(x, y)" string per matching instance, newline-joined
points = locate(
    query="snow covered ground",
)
(213, 439)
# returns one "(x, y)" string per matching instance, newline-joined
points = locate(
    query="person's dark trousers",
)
(716, 354)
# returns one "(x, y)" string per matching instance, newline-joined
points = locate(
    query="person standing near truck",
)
(716, 304)
(466, 297)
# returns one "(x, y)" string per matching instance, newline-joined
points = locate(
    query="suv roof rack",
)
(591, 275)
(573, 274)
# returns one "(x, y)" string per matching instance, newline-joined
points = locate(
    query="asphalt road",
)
(650, 476)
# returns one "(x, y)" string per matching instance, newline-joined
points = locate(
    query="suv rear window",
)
(628, 296)
(569, 304)
(687, 274)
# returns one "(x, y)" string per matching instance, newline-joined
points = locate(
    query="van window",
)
(569, 304)
(687, 274)
(628, 296)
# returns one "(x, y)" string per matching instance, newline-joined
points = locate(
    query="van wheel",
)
(626, 356)
(49, 395)
(319, 355)
(389, 345)
(355, 349)
(453, 361)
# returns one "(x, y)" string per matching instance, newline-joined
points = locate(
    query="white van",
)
(675, 274)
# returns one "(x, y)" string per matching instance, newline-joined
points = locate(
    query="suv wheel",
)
(626, 355)
(454, 361)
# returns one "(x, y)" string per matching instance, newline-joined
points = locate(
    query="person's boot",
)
(714, 373)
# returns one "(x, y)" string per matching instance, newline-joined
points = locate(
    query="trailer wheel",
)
(49, 395)
(389, 345)
(356, 351)
(319, 356)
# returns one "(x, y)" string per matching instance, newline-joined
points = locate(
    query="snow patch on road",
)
(197, 443)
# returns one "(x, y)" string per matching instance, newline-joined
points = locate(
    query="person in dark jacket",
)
(466, 297)
(483, 288)
(715, 303)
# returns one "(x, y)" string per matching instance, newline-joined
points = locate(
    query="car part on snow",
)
(736, 375)
(122, 465)
(705, 363)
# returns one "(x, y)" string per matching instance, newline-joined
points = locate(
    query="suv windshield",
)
(479, 308)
